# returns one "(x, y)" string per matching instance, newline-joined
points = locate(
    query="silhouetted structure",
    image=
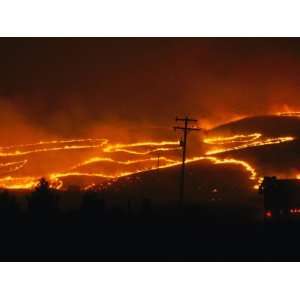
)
(281, 198)
(183, 144)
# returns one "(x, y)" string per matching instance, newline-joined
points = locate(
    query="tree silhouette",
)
(42, 203)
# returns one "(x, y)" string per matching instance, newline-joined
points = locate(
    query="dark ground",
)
(147, 238)
(211, 230)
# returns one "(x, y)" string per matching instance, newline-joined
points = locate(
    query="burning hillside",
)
(279, 124)
(253, 144)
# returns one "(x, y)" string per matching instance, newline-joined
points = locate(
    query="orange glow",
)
(238, 138)
(55, 178)
(25, 182)
(6, 153)
(124, 159)
(247, 141)
(99, 143)
(28, 182)
(268, 141)
(126, 162)
(259, 182)
(127, 147)
(289, 114)
(12, 166)
(53, 142)
(211, 122)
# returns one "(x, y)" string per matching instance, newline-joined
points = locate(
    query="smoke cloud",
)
(129, 88)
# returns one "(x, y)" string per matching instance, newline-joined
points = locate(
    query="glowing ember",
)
(239, 138)
(28, 182)
(142, 157)
(12, 166)
(289, 114)
(268, 141)
(5, 153)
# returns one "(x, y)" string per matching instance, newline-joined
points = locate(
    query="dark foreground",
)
(147, 239)
(127, 230)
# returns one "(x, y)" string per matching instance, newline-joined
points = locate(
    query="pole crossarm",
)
(186, 118)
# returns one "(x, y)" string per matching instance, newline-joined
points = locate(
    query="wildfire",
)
(144, 158)
(92, 143)
(53, 142)
(126, 162)
(248, 141)
(128, 147)
(12, 166)
(5, 153)
(268, 141)
(238, 138)
(289, 114)
(259, 182)
(28, 182)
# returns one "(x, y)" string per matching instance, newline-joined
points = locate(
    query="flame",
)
(268, 141)
(13, 166)
(28, 182)
(253, 174)
(127, 147)
(5, 153)
(142, 151)
(55, 179)
(287, 111)
(248, 141)
(126, 162)
(68, 141)
(289, 114)
(238, 138)
(259, 182)
(103, 142)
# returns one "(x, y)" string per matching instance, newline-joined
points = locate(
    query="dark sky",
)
(70, 86)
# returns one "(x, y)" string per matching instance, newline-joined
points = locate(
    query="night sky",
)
(135, 86)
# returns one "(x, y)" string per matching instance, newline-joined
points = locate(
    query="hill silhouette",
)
(282, 160)
(268, 125)
(205, 183)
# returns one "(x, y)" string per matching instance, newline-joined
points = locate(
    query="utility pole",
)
(183, 144)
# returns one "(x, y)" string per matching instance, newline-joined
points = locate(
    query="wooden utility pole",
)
(183, 144)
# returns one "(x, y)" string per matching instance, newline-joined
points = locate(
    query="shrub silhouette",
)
(42, 203)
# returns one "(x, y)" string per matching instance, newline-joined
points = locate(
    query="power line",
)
(183, 144)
